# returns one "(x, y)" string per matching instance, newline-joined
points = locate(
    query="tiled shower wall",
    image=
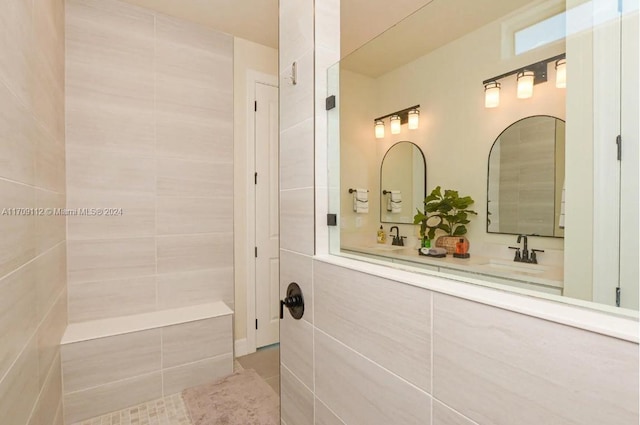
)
(150, 131)
(33, 300)
(376, 351)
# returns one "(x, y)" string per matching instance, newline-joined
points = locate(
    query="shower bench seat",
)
(114, 363)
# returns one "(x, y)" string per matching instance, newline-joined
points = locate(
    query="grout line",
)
(295, 376)
(111, 383)
(31, 186)
(330, 410)
(404, 380)
(31, 261)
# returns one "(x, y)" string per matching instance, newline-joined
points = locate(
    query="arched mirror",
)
(526, 178)
(403, 180)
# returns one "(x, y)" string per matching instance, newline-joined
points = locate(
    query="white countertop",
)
(539, 274)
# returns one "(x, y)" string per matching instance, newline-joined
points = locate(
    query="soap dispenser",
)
(382, 237)
(461, 249)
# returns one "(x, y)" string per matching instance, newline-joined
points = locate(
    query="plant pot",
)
(449, 243)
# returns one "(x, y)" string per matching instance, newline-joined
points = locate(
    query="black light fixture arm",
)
(539, 69)
(403, 114)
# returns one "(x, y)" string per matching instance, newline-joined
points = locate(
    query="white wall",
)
(247, 56)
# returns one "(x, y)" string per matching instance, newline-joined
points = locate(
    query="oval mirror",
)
(526, 178)
(403, 180)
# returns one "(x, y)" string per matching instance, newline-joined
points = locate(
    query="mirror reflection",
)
(507, 116)
(526, 177)
(402, 182)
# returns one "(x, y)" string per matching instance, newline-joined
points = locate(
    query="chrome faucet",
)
(397, 239)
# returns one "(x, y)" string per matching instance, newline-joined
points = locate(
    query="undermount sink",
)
(514, 267)
(387, 247)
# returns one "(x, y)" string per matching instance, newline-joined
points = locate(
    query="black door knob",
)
(293, 301)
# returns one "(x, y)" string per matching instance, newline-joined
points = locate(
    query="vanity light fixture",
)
(379, 129)
(414, 119)
(561, 73)
(409, 115)
(492, 95)
(527, 77)
(525, 84)
(396, 122)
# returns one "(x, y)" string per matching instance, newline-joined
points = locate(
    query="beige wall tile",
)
(194, 66)
(50, 161)
(296, 30)
(17, 141)
(50, 229)
(18, 320)
(195, 287)
(180, 215)
(49, 335)
(51, 277)
(111, 397)
(18, 244)
(106, 259)
(19, 388)
(110, 173)
(15, 62)
(296, 102)
(110, 89)
(192, 133)
(355, 388)
(179, 177)
(100, 361)
(297, 156)
(297, 268)
(516, 368)
(194, 341)
(194, 252)
(101, 122)
(397, 318)
(297, 220)
(51, 397)
(111, 298)
(178, 378)
(296, 350)
(47, 96)
(324, 416)
(48, 26)
(296, 400)
(443, 415)
(136, 220)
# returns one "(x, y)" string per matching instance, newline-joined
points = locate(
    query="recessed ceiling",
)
(254, 20)
(433, 26)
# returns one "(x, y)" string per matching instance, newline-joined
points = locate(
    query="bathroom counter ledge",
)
(546, 276)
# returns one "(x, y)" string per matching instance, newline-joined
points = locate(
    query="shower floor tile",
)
(169, 410)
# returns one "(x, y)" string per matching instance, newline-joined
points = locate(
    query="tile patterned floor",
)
(171, 410)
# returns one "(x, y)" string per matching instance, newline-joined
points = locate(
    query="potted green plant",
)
(448, 212)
